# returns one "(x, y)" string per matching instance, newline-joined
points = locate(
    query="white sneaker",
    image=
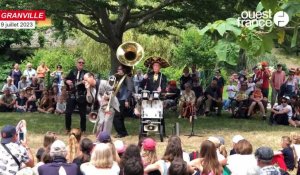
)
(180, 116)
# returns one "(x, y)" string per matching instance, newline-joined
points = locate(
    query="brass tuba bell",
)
(93, 116)
(130, 53)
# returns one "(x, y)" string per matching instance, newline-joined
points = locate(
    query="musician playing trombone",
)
(76, 95)
(103, 93)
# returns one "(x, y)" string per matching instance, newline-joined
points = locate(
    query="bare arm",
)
(153, 167)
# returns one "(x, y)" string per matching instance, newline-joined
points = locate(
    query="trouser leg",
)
(82, 113)
(71, 103)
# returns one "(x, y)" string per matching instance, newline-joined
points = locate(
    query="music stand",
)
(192, 132)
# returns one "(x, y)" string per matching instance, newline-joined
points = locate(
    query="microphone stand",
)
(192, 132)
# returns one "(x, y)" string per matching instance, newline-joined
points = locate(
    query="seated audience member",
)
(173, 150)
(222, 160)
(185, 78)
(7, 101)
(250, 86)
(281, 114)
(231, 91)
(295, 120)
(148, 153)
(241, 98)
(198, 90)
(13, 154)
(187, 102)
(120, 147)
(23, 83)
(116, 156)
(132, 152)
(295, 139)
(101, 162)
(86, 147)
(243, 162)
(256, 98)
(288, 153)
(43, 153)
(264, 156)
(235, 140)
(213, 98)
(133, 167)
(174, 93)
(73, 147)
(21, 102)
(61, 105)
(178, 167)
(35, 85)
(31, 99)
(46, 105)
(59, 164)
(10, 85)
(208, 162)
(104, 137)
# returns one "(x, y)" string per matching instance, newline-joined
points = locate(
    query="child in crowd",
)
(148, 153)
(288, 153)
(31, 99)
(86, 147)
(46, 104)
(21, 102)
(295, 146)
(60, 105)
(256, 98)
(231, 90)
(73, 147)
(235, 140)
(251, 86)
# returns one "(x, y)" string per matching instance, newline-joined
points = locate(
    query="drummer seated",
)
(187, 102)
(172, 95)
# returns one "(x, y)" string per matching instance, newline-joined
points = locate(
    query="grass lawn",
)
(258, 132)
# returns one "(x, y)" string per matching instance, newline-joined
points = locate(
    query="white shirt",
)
(29, 74)
(231, 89)
(89, 169)
(297, 150)
(280, 108)
(243, 165)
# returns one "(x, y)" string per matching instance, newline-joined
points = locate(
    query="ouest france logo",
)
(263, 19)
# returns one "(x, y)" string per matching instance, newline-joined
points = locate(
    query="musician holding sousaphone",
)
(76, 95)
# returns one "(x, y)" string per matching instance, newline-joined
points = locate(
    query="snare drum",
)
(156, 95)
(145, 95)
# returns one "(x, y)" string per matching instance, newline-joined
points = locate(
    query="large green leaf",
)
(226, 52)
(291, 8)
(295, 35)
(269, 4)
(259, 7)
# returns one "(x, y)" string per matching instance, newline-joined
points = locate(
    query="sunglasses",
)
(80, 62)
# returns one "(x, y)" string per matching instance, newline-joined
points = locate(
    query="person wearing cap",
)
(120, 147)
(104, 137)
(277, 80)
(13, 154)
(235, 140)
(281, 114)
(9, 84)
(59, 165)
(263, 78)
(7, 101)
(155, 80)
(29, 72)
(264, 156)
(148, 152)
(290, 85)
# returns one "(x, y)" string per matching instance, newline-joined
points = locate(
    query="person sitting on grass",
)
(231, 91)
(235, 140)
(23, 83)
(264, 156)
(21, 102)
(295, 120)
(208, 162)
(281, 114)
(10, 85)
(73, 148)
(31, 102)
(7, 101)
(241, 97)
(60, 105)
(256, 99)
(46, 104)
(86, 147)
(187, 102)
(288, 153)
(148, 153)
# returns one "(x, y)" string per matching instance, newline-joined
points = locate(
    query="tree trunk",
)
(242, 62)
(114, 62)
